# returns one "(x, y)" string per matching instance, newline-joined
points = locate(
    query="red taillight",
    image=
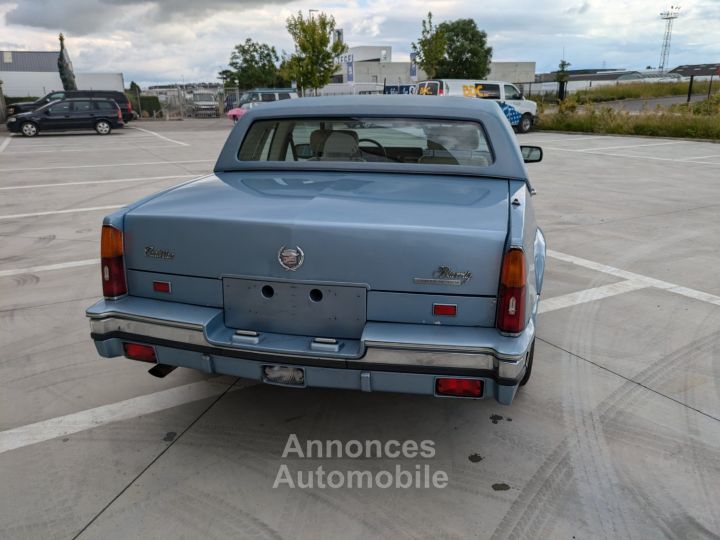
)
(144, 353)
(161, 286)
(112, 265)
(447, 310)
(119, 112)
(459, 387)
(511, 301)
(130, 109)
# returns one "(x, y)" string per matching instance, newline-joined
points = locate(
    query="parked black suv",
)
(119, 97)
(102, 115)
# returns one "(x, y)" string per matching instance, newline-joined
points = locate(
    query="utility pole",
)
(668, 16)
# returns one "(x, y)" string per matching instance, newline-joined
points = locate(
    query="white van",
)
(521, 112)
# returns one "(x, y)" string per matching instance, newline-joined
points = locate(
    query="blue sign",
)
(349, 72)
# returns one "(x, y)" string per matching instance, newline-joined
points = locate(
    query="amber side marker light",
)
(459, 387)
(111, 262)
(136, 351)
(511, 300)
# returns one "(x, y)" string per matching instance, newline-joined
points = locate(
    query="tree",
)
(65, 68)
(227, 76)
(467, 55)
(562, 76)
(312, 65)
(253, 64)
(135, 88)
(430, 47)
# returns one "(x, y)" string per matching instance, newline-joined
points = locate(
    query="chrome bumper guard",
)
(425, 354)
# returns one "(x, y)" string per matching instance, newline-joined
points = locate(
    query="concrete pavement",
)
(617, 435)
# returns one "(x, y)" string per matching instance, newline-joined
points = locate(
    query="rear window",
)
(390, 140)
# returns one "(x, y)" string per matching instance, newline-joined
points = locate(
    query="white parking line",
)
(589, 295)
(48, 267)
(648, 281)
(62, 426)
(68, 211)
(84, 149)
(160, 136)
(629, 156)
(4, 144)
(107, 165)
(632, 146)
(569, 138)
(86, 182)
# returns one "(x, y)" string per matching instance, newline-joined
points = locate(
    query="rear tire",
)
(528, 369)
(103, 127)
(525, 124)
(29, 129)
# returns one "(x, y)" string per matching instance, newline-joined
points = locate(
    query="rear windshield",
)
(398, 140)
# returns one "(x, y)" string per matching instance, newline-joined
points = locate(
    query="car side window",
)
(487, 91)
(284, 95)
(60, 108)
(104, 106)
(511, 92)
(267, 97)
(82, 106)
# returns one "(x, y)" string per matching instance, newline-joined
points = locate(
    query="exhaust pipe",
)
(161, 370)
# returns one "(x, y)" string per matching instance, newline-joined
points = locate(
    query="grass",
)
(641, 91)
(675, 123)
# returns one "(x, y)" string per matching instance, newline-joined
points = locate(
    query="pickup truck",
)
(365, 243)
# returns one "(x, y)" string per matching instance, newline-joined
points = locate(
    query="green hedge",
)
(610, 121)
(641, 91)
(150, 104)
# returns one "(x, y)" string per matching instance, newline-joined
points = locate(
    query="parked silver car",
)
(364, 242)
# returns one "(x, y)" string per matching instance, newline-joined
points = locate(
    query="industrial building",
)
(370, 69)
(35, 73)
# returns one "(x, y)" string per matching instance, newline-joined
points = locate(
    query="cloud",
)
(157, 41)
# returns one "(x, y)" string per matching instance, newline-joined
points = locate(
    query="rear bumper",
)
(389, 357)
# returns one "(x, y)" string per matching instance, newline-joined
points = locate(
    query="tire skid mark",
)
(523, 516)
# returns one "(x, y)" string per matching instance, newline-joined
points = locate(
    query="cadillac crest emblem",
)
(291, 258)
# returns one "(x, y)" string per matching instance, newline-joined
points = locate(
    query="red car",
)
(236, 113)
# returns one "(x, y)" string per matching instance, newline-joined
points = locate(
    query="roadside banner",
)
(349, 72)
(413, 67)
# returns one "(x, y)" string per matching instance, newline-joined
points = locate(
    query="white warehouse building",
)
(35, 73)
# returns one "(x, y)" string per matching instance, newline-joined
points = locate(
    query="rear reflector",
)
(144, 353)
(448, 310)
(161, 286)
(459, 387)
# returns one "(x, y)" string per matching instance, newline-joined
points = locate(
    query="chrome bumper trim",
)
(376, 353)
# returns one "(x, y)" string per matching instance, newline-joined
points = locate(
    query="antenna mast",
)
(668, 16)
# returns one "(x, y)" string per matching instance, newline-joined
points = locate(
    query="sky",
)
(168, 41)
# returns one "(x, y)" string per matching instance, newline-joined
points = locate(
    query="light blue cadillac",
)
(374, 243)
